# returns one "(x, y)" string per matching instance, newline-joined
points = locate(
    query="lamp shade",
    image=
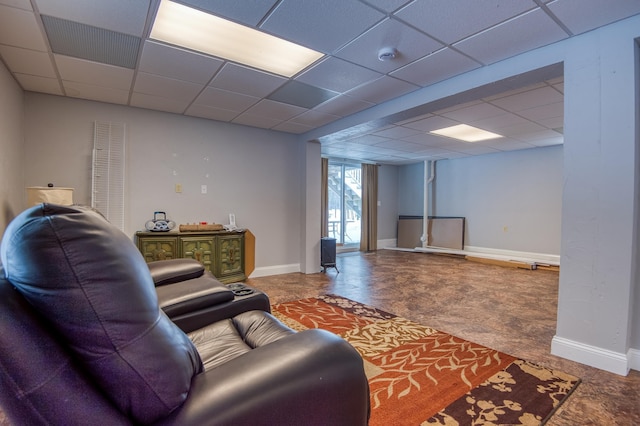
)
(53, 195)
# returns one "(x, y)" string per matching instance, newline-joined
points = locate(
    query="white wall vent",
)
(107, 194)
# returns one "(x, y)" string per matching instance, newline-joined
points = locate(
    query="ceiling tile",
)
(321, 25)
(584, 15)
(382, 89)
(526, 32)
(291, 127)
(431, 123)
(19, 28)
(473, 112)
(453, 20)
(388, 5)
(160, 103)
(314, 118)
(76, 89)
(123, 16)
(499, 123)
(436, 67)
(529, 99)
(397, 132)
(401, 146)
(223, 99)
(94, 73)
(543, 112)
(39, 84)
(174, 62)
(256, 121)
(211, 113)
(343, 105)
(26, 61)
(300, 94)
(171, 88)
(337, 75)
(409, 44)
(248, 81)
(276, 110)
(249, 12)
(20, 4)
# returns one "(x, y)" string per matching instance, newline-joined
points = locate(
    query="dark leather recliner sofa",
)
(83, 341)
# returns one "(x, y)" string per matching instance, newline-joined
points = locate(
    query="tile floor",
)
(508, 309)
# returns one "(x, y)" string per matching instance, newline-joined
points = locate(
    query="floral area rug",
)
(421, 376)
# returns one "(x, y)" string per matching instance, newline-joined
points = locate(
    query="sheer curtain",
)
(369, 221)
(324, 199)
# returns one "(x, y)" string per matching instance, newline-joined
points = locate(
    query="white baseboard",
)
(634, 359)
(550, 259)
(604, 359)
(266, 271)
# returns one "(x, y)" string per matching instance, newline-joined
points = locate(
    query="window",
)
(345, 203)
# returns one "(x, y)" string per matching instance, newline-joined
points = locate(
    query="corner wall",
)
(12, 185)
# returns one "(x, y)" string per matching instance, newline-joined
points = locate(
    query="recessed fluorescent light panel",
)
(187, 27)
(466, 133)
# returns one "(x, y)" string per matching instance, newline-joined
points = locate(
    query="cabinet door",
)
(158, 248)
(231, 257)
(201, 249)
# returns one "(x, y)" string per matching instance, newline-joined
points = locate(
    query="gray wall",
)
(388, 202)
(411, 190)
(511, 200)
(12, 192)
(253, 173)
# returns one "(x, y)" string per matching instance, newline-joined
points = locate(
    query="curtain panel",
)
(369, 220)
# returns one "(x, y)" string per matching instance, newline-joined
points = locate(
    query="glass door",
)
(345, 203)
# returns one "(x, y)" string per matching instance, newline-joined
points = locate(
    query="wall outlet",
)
(178, 187)
(203, 189)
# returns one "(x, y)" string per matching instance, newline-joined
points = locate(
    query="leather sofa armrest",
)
(312, 377)
(174, 270)
(192, 296)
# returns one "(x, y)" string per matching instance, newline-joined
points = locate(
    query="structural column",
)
(600, 188)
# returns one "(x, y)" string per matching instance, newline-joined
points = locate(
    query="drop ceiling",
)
(100, 50)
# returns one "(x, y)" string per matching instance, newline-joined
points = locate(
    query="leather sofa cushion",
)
(92, 285)
(225, 340)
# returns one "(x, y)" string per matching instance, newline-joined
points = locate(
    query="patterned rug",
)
(421, 376)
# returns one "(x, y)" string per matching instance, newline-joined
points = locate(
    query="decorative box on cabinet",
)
(221, 252)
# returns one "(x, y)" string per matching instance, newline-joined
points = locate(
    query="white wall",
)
(253, 173)
(12, 187)
(511, 200)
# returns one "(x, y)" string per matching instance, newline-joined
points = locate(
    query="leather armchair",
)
(84, 341)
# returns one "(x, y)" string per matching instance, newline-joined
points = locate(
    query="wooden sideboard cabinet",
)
(221, 252)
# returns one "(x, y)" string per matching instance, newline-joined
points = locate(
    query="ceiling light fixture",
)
(187, 27)
(466, 133)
